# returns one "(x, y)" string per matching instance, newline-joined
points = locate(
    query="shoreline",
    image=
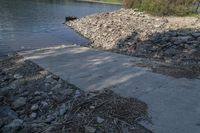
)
(100, 2)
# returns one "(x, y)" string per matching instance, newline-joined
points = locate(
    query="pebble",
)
(56, 87)
(37, 93)
(67, 92)
(34, 107)
(21, 101)
(50, 118)
(62, 109)
(77, 93)
(6, 111)
(13, 126)
(18, 76)
(33, 115)
(100, 120)
(89, 129)
(44, 104)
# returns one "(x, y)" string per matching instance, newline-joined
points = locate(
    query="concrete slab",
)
(173, 103)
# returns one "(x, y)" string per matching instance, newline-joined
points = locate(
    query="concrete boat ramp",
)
(174, 104)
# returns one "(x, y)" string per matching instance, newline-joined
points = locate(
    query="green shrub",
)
(163, 7)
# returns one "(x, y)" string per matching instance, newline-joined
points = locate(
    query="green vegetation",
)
(164, 7)
(113, 1)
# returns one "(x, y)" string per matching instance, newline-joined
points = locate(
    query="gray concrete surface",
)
(173, 103)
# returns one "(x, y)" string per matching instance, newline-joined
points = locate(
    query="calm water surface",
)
(29, 24)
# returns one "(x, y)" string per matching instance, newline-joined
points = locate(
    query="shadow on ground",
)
(178, 50)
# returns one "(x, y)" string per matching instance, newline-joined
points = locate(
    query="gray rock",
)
(196, 34)
(6, 111)
(44, 104)
(62, 109)
(89, 129)
(5, 90)
(50, 93)
(198, 39)
(50, 80)
(100, 120)
(34, 107)
(49, 76)
(56, 87)
(18, 76)
(77, 93)
(67, 92)
(182, 39)
(33, 115)
(50, 118)
(13, 126)
(170, 52)
(37, 93)
(13, 85)
(19, 102)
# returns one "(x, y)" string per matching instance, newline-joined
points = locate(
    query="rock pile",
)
(106, 29)
(34, 100)
(135, 33)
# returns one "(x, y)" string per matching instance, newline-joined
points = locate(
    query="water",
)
(29, 24)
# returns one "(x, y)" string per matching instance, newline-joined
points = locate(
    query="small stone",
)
(43, 72)
(62, 109)
(50, 93)
(37, 93)
(50, 80)
(13, 126)
(157, 26)
(19, 102)
(60, 81)
(44, 104)
(4, 90)
(181, 39)
(89, 129)
(6, 111)
(77, 93)
(13, 85)
(18, 76)
(49, 76)
(55, 77)
(170, 52)
(67, 92)
(47, 84)
(34, 107)
(33, 115)
(196, 34)
(100, 120)
(92, 107)
(50, 118)
(56, 87)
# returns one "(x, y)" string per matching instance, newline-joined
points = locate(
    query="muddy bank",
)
(34, 100)
(174, 41)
